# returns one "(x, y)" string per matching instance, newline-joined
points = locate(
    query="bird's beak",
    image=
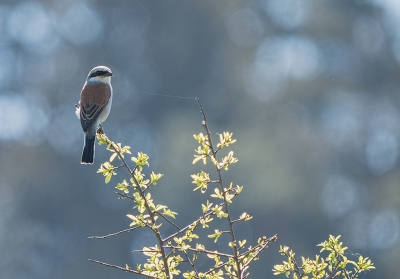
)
(108, 74)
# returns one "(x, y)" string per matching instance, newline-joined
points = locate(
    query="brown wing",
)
(94, 97)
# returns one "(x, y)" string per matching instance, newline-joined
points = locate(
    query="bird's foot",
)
(100, 130)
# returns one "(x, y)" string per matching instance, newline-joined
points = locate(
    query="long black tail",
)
(88, 151)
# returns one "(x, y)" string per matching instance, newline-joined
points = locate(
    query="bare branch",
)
(188, 226)
(123, 195)
(122, 268)
(148, 209)
(262, 247)
(113, 234)
(201, 251)
(168, 220)
(232, 234)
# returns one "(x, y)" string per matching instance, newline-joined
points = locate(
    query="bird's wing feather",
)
(94, 97)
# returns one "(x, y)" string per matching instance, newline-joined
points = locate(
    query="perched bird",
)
(94, 107)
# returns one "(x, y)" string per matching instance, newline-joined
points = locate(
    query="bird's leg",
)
(100, 130)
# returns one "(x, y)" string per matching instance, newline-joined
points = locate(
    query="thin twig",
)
(296, 267)
(171, 252)
(262, 247)
(221, 265)
(148, 209)
(196, 223)
(241, 264)
(236, 256)
(192, 264)
(118, 167)
(201, 251)
(168, 220)
(122, 268)
(124, 195)
(113, 234)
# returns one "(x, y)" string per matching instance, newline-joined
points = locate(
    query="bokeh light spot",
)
(4, 34)
(384, 229)
(7, 207)
(278, 59)
(338, 196)
(7, 66)
(245, 28)
(14, 116)
(286, 57)
(65, 132)
(81, 25)
(341, 119)
(262, 85)
(368, 35)
(382, 151)
(30, 25)
(340, 59)
(288, 14)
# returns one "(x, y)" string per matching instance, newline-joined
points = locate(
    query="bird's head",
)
(100, 74)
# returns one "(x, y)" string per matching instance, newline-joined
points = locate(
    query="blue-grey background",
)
(310, 89)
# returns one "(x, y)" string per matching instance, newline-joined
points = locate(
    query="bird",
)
(94, 107)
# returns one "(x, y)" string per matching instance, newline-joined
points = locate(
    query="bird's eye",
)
(98, 73)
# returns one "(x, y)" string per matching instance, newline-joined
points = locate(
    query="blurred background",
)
(310, 90)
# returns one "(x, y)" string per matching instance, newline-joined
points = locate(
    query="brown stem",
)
(230, 223)
(201, 251)
(113, 234)
(148, 209)
(262, 247)
(168, 220)
(122, 268)
(188, 226)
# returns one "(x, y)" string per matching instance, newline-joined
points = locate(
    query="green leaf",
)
(217, 194)
(201, 180)
(108, 177)
(202, 154)
(141, 159)
(216, 235)
(206, 207)
(225, 139)
(154, 177)
(168, 212)
(107, 169)
(123, 186)
(102, 138)
(201, 138)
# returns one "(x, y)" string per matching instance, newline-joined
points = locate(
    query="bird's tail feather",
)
(88, 151)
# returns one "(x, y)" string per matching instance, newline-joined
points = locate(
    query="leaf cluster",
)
(179, 252)
(335, 265)
(166, 256)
